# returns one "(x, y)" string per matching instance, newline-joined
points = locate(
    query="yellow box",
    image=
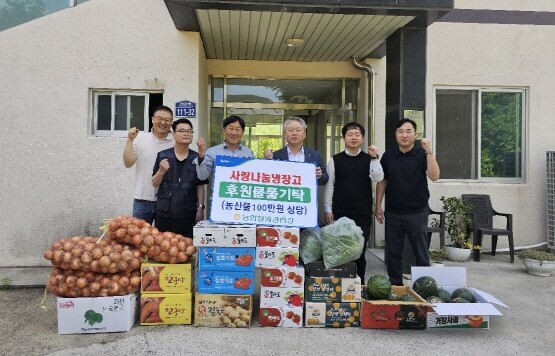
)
(166, 278)
(157, 309)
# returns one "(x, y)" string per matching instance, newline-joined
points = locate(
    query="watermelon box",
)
(458, 315)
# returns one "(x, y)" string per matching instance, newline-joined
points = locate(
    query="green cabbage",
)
(311, 246)
(342, 242)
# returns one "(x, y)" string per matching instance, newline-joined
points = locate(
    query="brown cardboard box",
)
(223, 310)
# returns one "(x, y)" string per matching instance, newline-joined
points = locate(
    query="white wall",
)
(501, 55)
(57, 180)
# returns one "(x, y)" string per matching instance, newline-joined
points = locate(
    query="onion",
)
(122, 265)
(136, 253)
(115, 256)
(89, 247)
(81, 283)
(182, 256)
(103, 292)
(124, 282)
(95, 266)
(126, 256)
(181, 245)
(113, 268)
(97, 253)
(66, 258)
(189, 241)
(75, 263)
(104, 261)
(145, 231)
(154, 231)
(68, 246)
(86, 258)
(154, 251)
(165, 245)
(105, 282)
(60, 279)
(135, 264)
(162, 257)
(48, 254)
(143, 249)
(57, 257)
(137, 239)
(172, 260)
(173, 252)
(148, 241)
(71, 281)
(135, 281)
(76, 239)
(121, 233)
(107, 250)
(86, 292)
(191, 250)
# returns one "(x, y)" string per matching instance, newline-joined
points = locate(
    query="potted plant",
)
(538, 262)
(437, 256)
(457, 220)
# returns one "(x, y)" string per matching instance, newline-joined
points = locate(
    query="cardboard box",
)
(226, 258)
(332, 315)
(281, 317)
(240, 235)
(223, 310)
(458, 315)
(96, 315)
(225, 282)
(386, 314)
(158, 309)
(207, 234)
(329, 290)
(277, 257)
(318, 269)
(281, 297)
(270, 236)
(282, 277)
(166, 278)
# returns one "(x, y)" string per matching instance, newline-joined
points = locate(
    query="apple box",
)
(240, 236)
(282, 277)
(281, 317)
(458, 315)
(269, 236)
(166, 278)
(281, 297)
(226, 258)
(158, 309)
(225, 282)
(223, 310)
(332, 315)
(96, 315)
(207, 234)
(277, 257)
(392, 314)
(327, 289)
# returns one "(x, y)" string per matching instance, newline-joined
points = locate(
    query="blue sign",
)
(185, 108)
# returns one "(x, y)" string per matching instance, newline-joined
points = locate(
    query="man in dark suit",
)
(294, 132)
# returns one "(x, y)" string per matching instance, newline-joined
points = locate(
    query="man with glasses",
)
(406, 172)
(294, 132)
(180, 203)
(140, 150)
(233, 128)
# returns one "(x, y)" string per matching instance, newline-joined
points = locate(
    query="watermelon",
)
(443, 294)
(434, 300)
(407, 298)
(463, 293)
(378, 287)
(425, 286)
(459, 300)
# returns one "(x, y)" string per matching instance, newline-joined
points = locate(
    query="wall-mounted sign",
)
(266, 192)
(418, 117)
(185, 108)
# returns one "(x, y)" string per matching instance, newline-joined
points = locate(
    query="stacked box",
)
(332, 296)
(225, 277)
(281, 277)
(166, 293)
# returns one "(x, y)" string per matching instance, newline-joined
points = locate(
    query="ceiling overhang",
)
(330, 30)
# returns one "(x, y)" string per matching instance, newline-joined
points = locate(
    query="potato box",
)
(223, 310)
(207, 234)
(332, 289)
(332, 315)
(281, 297)
(158, 309)
(96, 315)
(282, 277)
(226, 258)
(166, 278)
(277, 257)
(386, 314)
(269, 236)
(318, 269)
(281, 317)
(225, 282)
(240, 236)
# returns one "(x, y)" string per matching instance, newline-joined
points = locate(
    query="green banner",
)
(264, 192)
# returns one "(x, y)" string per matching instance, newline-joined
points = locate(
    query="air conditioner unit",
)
(551, 199)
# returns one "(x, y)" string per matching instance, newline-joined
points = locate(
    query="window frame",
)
(524, 91)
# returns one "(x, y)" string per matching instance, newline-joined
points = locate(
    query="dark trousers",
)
(415, 227)
(365, 223)
(183, 226)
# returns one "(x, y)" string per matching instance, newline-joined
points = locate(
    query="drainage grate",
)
(551, 199)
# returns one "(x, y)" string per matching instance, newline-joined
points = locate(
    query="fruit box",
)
(277, 257)
(281, 297)
(282, 277)
(225, 282)
(391, 314)
(223, 310)
(458, 315)
(226, 258)
(332, 315)
(166, 278)
(159, 309)
(207, 234)
(96, 315)
(329, 290)
(318, 269)
(281, 317)
(240, 236)
(267, 236)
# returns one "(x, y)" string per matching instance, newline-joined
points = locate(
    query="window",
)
(117, 111)
(479, 133)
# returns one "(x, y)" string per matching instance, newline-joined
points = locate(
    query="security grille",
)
(551, 199)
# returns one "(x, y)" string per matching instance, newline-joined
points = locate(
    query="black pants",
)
(183, 226)
(415, 226)
(365, 223)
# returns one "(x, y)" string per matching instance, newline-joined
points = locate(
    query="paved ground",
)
(527, 328)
